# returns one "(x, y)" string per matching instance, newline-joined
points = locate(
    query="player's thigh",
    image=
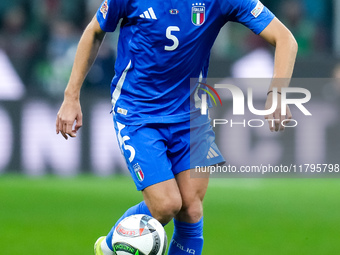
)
(192, 192)
(193, 145)
(163, 200)
(145, 152)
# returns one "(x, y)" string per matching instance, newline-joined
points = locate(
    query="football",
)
(139, 234)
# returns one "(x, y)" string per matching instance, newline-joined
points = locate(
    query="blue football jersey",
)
(162, 45)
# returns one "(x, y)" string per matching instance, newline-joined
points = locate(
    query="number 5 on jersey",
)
(172, 37)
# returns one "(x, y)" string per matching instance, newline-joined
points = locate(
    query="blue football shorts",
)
(157, 152)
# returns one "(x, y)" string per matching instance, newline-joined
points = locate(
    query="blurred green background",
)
(51, 215)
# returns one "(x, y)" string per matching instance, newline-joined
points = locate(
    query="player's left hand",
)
(276, 119)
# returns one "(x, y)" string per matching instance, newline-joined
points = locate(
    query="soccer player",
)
(156, 113)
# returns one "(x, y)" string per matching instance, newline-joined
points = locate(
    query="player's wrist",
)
(71, 95)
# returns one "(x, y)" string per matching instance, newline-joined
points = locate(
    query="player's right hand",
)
(276, 119)
(69, 112)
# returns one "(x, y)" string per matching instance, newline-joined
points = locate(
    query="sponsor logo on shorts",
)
(212, 153)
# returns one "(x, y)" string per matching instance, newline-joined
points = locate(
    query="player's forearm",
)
(285, 55)
(85, 56)
(285, 52)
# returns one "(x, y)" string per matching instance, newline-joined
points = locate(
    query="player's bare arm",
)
(285, 54)
(70, 110)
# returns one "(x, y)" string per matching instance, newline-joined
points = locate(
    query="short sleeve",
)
(109, 14)
(251, 13)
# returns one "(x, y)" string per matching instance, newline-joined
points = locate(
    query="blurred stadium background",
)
(54, 215)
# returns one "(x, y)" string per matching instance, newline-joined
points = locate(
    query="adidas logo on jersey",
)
(212, 153)
(149, 14)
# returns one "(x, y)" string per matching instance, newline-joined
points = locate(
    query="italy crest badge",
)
(198, 14)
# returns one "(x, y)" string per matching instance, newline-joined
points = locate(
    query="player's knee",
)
(191, 212)
(167, 209)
